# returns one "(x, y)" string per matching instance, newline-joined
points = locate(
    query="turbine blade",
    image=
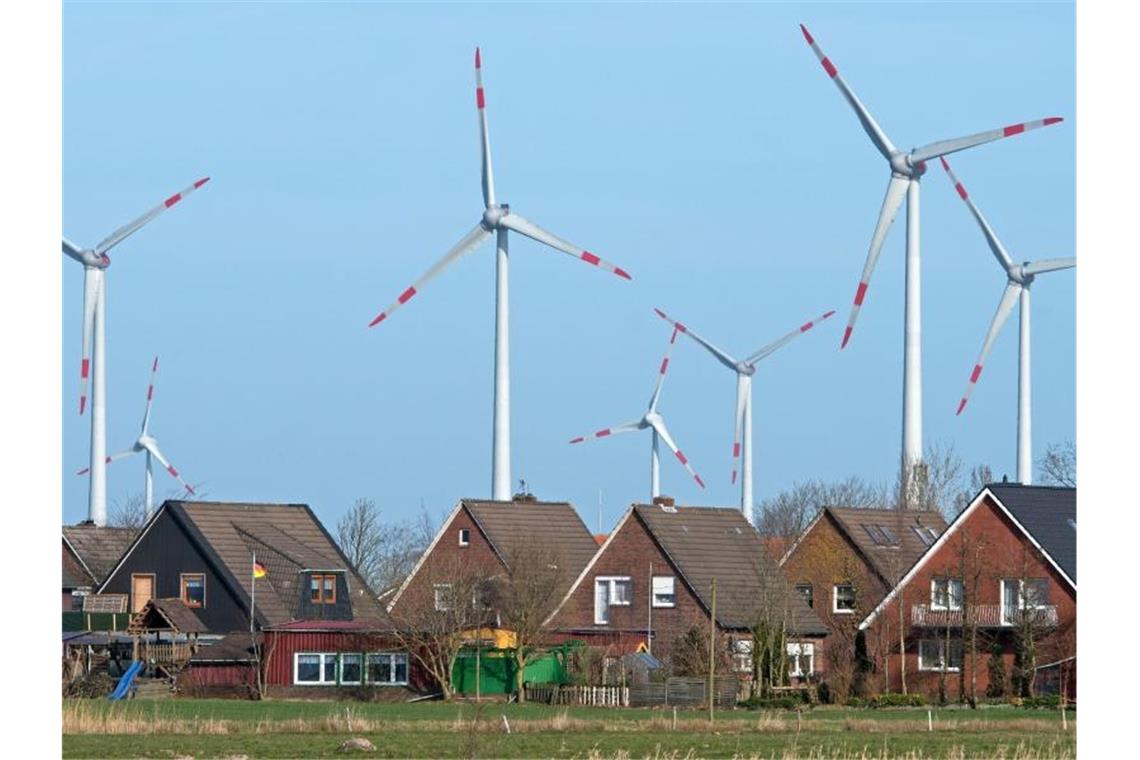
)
(154, 451)
(946, 147)
(467, 244)
(742, 384)
(484, 136)
(991, 237)
(896, 190)
(92, 279)
(678, 327)
(1048, 265)
(662, 431)
(149, 394)
(660, 378)
(1005, 306)
(111, 458)
(784, 340)
(515, 222)
(130, 228)
(72, 250)
(873, 130)
(626, 427)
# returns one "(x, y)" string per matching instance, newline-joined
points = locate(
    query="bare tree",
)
(936, 484)
(129, 512)
(526, 594)
(383, 553)
(767, 601)
(786, 514)
(979, 477)
(1059, 465)
(435, 618)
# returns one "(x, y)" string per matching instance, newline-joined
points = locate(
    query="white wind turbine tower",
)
(744, 370)
(653, 421)
(498, 218)
(906, 170)
(95, 261)
(1019, 278)
(148, 445)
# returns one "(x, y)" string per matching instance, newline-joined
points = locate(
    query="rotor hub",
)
(903, 166)
(745, 368)
(494, 215)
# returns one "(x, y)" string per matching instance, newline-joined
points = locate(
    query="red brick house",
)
(649, 586)
(995, 595)
(481, 536)
(844, 563)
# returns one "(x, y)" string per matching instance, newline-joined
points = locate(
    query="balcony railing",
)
(983, 616)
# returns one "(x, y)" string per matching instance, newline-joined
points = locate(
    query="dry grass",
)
(85, 718)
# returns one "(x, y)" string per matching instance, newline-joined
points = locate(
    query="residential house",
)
(844, 563)
(990, 602)
(485, 537)
(89, 553)
(649, 587)
(317, 621)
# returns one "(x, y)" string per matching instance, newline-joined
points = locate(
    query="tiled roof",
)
(287, 538)
(890, 559)
(718, 542)
(167, 614)
(99, 547)
(1049, 514)
(511, 524)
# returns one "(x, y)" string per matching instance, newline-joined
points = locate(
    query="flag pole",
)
(252, 589)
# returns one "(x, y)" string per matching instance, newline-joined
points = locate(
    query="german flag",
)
(258, 569)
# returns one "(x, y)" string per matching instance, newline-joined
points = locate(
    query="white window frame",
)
(835, 599)
(611, 581)
(1021, 598)
(436, 588)
(943, 655)
(323, 657)
(671, 594)
(953, 602)
(340, 668)
(392, 658)
(742, 655)
(464, 536)
(798, 652)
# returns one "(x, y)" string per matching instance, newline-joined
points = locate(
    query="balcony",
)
(983, 616)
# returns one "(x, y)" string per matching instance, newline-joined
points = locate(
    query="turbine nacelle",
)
(650, 419)
(904, 165)
(744, 368)
(92, 259)
(1018, 274)
(494, 215)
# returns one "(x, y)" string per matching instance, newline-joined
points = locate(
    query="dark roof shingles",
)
(718, 542)
(891, 562)
(1049, 513)
(100, 548)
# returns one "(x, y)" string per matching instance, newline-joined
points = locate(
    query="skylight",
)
(881, 535)
(925, 534)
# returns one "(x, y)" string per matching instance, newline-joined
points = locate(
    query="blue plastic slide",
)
(126, 680)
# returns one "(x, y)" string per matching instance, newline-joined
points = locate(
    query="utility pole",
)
(712, 652)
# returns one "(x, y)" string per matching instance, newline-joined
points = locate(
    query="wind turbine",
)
(95, 262)
(906, 170)
(744, 369)
(653, 421)
(147, 444)
(498, 218)
(1019, 277)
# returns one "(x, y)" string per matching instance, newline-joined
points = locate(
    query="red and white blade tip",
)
(807, 34)
(154, 367)
(478, 59)
(846, 337)
(1016, 129)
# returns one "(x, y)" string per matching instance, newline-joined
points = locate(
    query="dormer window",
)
(322, 588)
(464, 536)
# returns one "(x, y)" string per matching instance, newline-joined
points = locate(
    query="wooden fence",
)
(590, 696)
(682, 692)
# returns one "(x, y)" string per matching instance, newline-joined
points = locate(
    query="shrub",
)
(898, 700)
(996, 667)
(1046, 700)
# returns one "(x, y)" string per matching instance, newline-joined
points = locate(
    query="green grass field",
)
(292, 729)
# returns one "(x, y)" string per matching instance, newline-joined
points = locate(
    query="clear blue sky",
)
(701, 148)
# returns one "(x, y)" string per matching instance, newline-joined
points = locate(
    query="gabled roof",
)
(286, 538)
(1026, 501)
(507, 524)
(718, 542)
(890, 560)
(1049, 514)
(97, 548)
(166, 615)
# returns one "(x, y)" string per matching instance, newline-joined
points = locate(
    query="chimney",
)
(664, 501)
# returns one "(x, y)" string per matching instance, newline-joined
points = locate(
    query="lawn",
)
(287, 729)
